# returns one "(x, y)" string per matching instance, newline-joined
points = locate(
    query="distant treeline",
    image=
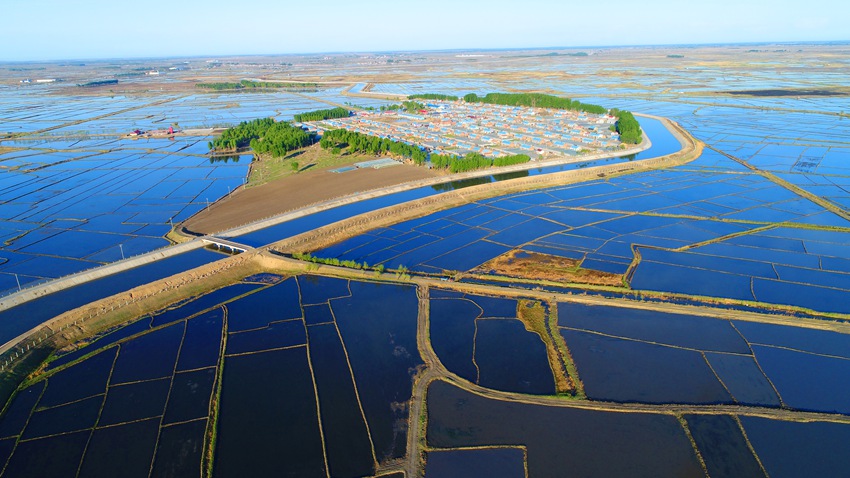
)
(432, 96)
(219, 86)
(263, 136)
(534, 100)
(248, 84)
(320, 115)
(554, 53)
(473, 161)
(91, 84)
(363, 143)
(628, 127)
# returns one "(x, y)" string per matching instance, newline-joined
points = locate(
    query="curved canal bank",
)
(331, 233)
(296, 224)
(201, 222)
(335, 208)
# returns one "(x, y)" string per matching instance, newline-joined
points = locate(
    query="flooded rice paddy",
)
(561, 440)
(739, 236)
(284, 395)
(311, 375)
(633, 355)
(482, 340)
(814, 449)
(493, 462)
(68, 206)
(76, 197)
(314, 376)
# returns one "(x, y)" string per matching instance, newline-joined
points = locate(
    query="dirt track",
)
(303, 189)
(308, 188)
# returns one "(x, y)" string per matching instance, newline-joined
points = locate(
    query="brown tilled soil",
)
(535, 266)
(293, 192)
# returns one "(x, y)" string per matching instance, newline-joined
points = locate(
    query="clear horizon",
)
(445, 50)
(100, 30)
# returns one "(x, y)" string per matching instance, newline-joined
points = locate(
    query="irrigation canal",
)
(26, 309)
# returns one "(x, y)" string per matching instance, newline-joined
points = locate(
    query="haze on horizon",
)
(36, 30)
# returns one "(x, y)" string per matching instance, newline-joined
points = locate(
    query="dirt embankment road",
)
(249, 205)
(308, 188)
(297, 191)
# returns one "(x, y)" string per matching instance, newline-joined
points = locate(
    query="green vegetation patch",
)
(264, 136)
(532, 313)
(363, 143)
(92, 84)
(432, 96)
(248, 84)
(267, 169)
(320, 115)
(474, 161)
(535, 100)
(628, 127)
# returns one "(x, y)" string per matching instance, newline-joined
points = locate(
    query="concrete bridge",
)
(27, 294)
(226, 245)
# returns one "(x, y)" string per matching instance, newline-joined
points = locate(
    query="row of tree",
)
(249, 84)
(473, 161)
(628, 127)
(92, 84)
(264, 136)
(219, 86)
(275, 84)
(363, 143)
(534, 100)
(432, 96)
(333, 261)
(320, 115)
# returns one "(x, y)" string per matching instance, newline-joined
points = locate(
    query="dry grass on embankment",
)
(532, 314)
(535, 266)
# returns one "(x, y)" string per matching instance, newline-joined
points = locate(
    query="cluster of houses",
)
(492, 130)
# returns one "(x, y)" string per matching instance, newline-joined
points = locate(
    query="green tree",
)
(263, 136)
(320, 115)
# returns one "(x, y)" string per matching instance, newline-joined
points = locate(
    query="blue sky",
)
(87, 29)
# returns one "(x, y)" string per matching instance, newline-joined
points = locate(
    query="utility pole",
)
(18, 281)
(121, 246)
